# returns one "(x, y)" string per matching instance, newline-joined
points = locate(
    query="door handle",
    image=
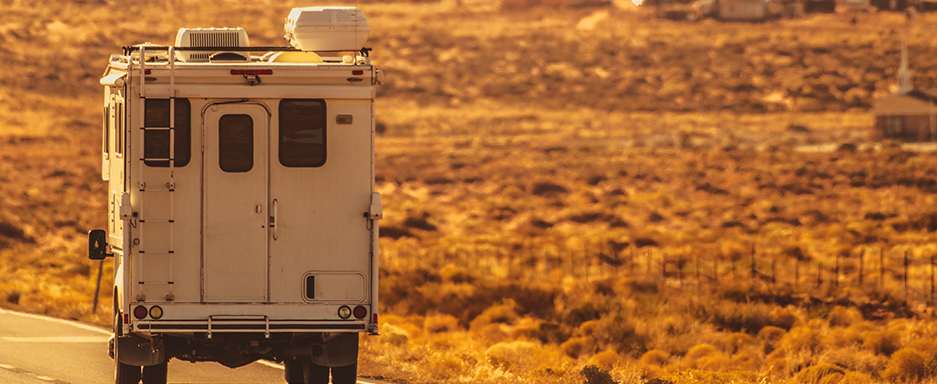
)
(273, 219)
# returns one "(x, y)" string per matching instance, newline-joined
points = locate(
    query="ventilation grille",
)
(208, 38)
(214, 39)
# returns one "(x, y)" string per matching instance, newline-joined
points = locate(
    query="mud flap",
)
(135, 350)
(338, 352)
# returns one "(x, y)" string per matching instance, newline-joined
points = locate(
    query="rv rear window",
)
(156, 140)
(236, 143)
(302, 133)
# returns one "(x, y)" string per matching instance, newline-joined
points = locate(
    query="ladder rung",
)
(158, 190)
(156, 128)
(155, 159)
(157, 252)
(158, 221)
(155, 282)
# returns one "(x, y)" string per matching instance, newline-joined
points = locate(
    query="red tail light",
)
(360, 312)
(139, 312)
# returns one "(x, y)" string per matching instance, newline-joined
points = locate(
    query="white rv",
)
(243, 220)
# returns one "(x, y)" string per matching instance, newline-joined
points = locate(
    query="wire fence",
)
(902, 272)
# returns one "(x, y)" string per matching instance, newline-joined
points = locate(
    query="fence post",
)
(773, 272)
(699, 283)
(906, 275)
(861, 265)
(680, 269)
(932, 278)
(647, 260)
(734, 277)
(881, 265)
(631, 263)
(819, 274)
(754, 271)
(836, 273)
(796, 271)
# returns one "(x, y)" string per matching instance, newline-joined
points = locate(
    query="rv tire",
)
(315, 374)
(156, 374)
(345, 375)
(294, 370)
(123, 373)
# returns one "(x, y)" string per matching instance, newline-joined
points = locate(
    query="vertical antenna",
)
(904, 76)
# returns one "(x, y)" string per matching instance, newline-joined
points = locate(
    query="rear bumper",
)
(246, 324)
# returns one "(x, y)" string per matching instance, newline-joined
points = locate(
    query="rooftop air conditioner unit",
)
(218, 38)
(326, 29)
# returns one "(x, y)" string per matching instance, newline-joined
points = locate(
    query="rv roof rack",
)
(128, 49)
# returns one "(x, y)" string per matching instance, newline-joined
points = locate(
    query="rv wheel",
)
(316, 374)
(293, 370)
(345, 375)
(123, 373)
(156, 374)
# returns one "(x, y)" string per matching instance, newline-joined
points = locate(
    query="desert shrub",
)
(707, 357)
(504, 313)
(393, 335)
(578, 346)
(596, 375)
(654, 357)
(801, 339)
(587, 311)
(606, 360)
(843, 317)
(771, 335)
(441, 323)
(518, 356)
(699, 376)
(908, 364)
(748, 359)
(455, 274)
(701, 350)
(736, 317)
(883, 342)
(784, 317)
(855, 358)
(820, 374)
(442, 366)
(839, 337)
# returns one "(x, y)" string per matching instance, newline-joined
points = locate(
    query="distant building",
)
(742, 10)
(909, 117)
(908, 114)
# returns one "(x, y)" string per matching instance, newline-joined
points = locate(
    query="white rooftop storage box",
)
(327, 29)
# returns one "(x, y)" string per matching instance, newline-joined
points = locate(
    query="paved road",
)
(41, 350)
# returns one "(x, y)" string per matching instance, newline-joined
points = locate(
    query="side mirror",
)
(97, 244)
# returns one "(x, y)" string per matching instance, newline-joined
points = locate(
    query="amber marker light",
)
(156, 312)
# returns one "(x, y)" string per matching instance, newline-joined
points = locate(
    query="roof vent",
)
(217, 38)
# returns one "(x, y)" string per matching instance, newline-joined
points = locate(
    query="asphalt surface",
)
(42, 350)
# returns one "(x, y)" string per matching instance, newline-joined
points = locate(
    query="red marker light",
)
(360, 312)
(251, 71)
(139, 312)
(357, 72)
(374, 318)
(148, 71)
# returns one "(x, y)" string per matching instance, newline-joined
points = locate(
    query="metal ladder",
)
(169, 187)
